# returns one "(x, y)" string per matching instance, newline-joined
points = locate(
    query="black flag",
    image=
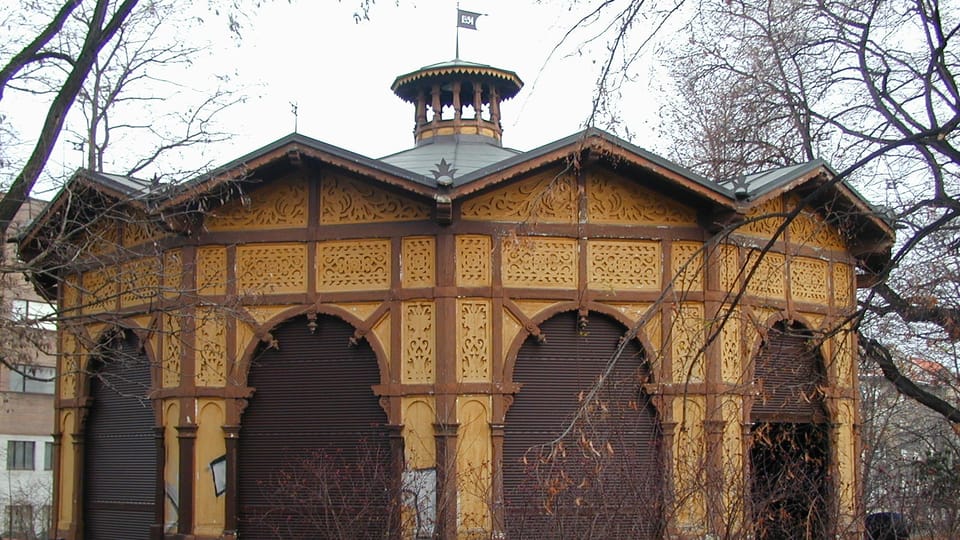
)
(467, 19)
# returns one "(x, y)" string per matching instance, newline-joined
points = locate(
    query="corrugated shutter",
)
(604, 479)
(788, 373)
(314, 456)
(120, 458)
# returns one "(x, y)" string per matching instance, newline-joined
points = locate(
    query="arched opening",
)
(120, 453)
(789, 456)
(596, 474)
(314, 454)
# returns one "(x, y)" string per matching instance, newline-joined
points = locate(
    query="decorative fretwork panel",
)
(352, 265)
(419, 338)
(688, 266)
(842, 285)
(139, 230)
(618, 200)
(689, 443)
(344, 200)
(473, 260)
(474, 339)
(536, 262)
(844, 357)
(172, 273)
(172, 340)
(731, 348)
(473, 467)
(549, 197)
(624, 264)
(71, 354)
(212, 270)
(809, 229)
(687, 339)
(211, 347)
(764, 220)
(808, 280)
(99, 290)
(280, 205)
(98, 238)
(271, 269)
(729, 266)
(70, 295)
(418, 262)
(139, 281)
(768, 279)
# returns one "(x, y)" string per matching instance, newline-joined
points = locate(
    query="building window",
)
(20, 455)
(32, 379)
(18, 521)
(48, 456)
(35, 313)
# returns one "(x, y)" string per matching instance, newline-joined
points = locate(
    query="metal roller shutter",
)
(604, 478)
(788, 373)
(120, 458)
(314, 456)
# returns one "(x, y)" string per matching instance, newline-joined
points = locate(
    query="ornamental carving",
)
(687, 344)
(272, 269)
(70, 298)
(729, 266)
(808, 280)
(687, 259)
(212, 270)
(280, 205)
(473, 260)
(382, 330)
(99, 237)
(172, 272)
(843, 357)
(474, 340)
(344, 200)
(139, 230)
(509, 329)
(731, 350)
(419, 333)
(172, 339)
(417, 263)
(549, 263)
(99, 290)
(842, 285)
(614, 199)
(809, 229)
(763, 220)
(353, 265)
(550, 197)
(768, 279)
(139, 281)
(624, 264)
(69, 364)
(211, 347)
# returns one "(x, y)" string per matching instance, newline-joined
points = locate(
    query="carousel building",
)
(459, 340)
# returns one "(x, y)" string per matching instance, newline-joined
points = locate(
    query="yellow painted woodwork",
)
(138, 229)
(382, 331)
(418, 262)
(209, 509)
(687, 339)
(272, 269)
(808, 229)
(346, 200)
(532, 308)
(360, 310)
(508, 332)
(211, 267)
(688, 266)
(732, 462)
(281, 204)
(99, 290)
(808, 280)
(547, 197)
(624, 265)
(71, 354)
(634, 312)
(353, 265)
(843, 286)
(139, 281)
(731, 349)
(172, 272)
(264, 314)
(244, 336)
(846, 459)
(419, 444)
(613, 199)
(210, 347)
(67, 469)
(419, 330)
(171, 464)
(764, 220)
(70, 296)
(729, 267)
(474, 253)
(690, 462)
(474, 339)
(540, 262)
(768, 279)
(473, 466)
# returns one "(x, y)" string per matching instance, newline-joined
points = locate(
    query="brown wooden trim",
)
(445, 435)
(231, 435)
(186, 437)
(156, 530)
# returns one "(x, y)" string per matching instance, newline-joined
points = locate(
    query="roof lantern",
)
(457, 98)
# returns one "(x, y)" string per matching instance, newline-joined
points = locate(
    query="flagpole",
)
(456, 55)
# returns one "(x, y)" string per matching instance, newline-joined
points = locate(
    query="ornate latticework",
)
(768, 279)
(70, 295)
(842, 285)
(172, 339)
(549, 197)
(687, 338)
(614, 199)
(419, 337)
(344, 200)
(212, 270)
(729, 266)
(809, 229)
(808, 280)
(731, 349)
(211, 347)
(418, 262)
(139, 281)
(272, 268)
(688, 267)
(70, 357)
(624, 264)
(172, 273)
(139, 230)
(764, 220)
(353, 265)
(99, 290)
(473, 260)
(280, 205)
(474, 333)
(537, 262)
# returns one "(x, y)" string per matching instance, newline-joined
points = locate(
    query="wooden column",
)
(231, 438)
(187, 438)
